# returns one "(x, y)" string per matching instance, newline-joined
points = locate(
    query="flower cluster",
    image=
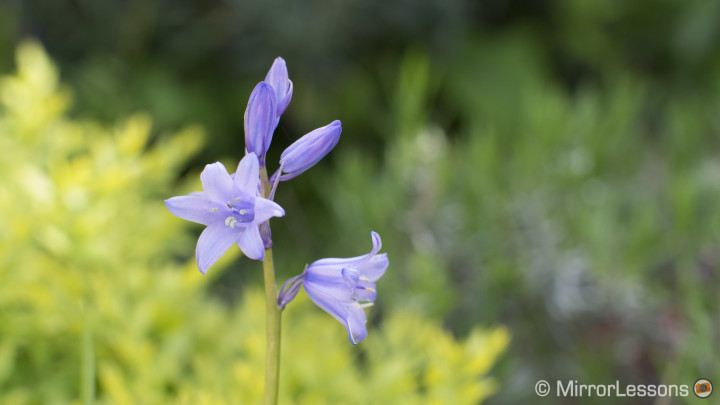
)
(234, 210)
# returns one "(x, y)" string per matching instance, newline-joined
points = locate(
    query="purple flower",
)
(342, 287)
(231, 208)
(308, 150)
(260, 120)
(267, 102)
(277, 77)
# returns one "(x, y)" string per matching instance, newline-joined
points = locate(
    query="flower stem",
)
(272, 316)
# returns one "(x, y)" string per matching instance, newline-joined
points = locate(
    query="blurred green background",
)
(546, 171)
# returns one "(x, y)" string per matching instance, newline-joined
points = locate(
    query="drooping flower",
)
(260, 120)
(342, 287)
(278, 78)
(230, 208)
(308, 150)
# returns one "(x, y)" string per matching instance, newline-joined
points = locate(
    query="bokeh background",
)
(544, 174)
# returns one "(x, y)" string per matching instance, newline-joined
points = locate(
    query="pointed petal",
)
(266, 209)
(251, 244)
(260, 119)
(352, 261)
(195, 208)
(376, 241)
(355, 324)
(247, 176)
(214, 241)
(277, 77)
(217, 182)
(289, 290)
(338, 309)
(374, 268)
(285, 101)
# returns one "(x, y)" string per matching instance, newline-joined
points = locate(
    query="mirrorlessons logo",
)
(702, 388)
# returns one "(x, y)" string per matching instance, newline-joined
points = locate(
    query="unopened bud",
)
(308, 150)
(277, 77)
(260, 120)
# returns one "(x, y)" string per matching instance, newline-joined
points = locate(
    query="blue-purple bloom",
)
(267, 102)
(231, 208)
(308, 150)
(342, 287)
(260, 120)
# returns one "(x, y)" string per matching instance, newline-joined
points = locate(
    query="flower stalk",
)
(272, 316)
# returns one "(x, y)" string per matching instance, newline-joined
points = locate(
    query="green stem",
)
(272, 316)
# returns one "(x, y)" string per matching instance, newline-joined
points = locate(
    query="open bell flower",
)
(231, 209)
(342, 287)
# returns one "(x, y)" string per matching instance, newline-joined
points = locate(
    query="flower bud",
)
(277, 77)
(260, 120)
(308, 150)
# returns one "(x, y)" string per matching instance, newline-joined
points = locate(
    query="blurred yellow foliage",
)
(94, 306)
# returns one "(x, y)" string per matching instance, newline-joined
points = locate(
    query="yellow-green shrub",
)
(93, 299)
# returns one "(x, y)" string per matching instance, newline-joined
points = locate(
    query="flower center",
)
(242, 209)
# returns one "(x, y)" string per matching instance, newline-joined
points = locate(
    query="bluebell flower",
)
(308, 150)
(277, 77)
(342, 287)
(267, 102)
(231, 209)
(260, 120)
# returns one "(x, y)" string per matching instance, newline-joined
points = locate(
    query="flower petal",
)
(374, 268)
(338, 309)
(260, 119)
(195, 208)
(217, 182)
(251, 243)
(365, 292)
(330, 283)
(214, 241)
(355, 323)
(247, 176)
(351, 276)
(362, 288)
(354, 261)
(289, 290)
(266, 209)
(277, 77)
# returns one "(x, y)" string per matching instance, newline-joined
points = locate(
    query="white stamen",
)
(364, 278)
(213, 210)
(230, 221)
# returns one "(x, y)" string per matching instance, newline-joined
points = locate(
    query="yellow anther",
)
(242, 212)
(213, 210)
(364, 278)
